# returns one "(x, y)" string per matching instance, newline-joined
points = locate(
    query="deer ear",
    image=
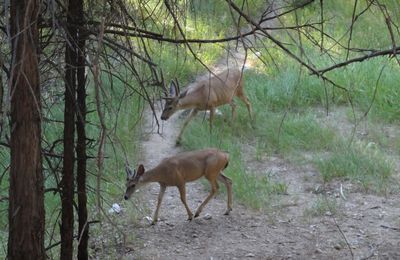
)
(128, 171)
(183, 94)
(173, 89)
(140, 170)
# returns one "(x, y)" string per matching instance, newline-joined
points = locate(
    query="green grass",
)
(293, 133)
(364, 165)
(373, 88)
(397, 145)
(4, 183)
(321, 206)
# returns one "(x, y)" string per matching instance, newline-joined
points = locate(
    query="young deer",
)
(182, 168)
(206, 94)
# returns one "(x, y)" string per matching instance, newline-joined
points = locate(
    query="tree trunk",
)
(81, 145)
(26, 194)
(67, 182)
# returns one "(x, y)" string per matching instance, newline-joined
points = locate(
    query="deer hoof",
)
(197, 214)
(227, 211)
(178, 142)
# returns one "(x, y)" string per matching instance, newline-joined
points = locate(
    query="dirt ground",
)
(364, 226)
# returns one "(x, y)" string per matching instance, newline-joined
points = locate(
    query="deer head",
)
(133, 180)
(171, 101)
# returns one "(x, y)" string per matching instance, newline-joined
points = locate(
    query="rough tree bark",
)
(26, 194)
(81, 145)
(67, 182)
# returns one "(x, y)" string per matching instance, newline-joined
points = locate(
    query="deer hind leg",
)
(228, 184)
(191, 115)
(233, 106)
(214, 189)
(160, 197)
(245, 100)
(182, 191)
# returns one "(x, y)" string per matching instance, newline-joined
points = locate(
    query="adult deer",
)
(206, 94)
(180, 169)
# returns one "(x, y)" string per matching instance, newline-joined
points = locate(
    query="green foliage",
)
(4, 184)
(397, 145)
(285, 90)
(373, 85)
(369, 30)
(293, 133)
(363, 164)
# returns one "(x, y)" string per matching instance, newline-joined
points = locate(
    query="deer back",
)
(212, 91)
(189, 166)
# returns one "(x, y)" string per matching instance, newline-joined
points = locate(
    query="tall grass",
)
(365, 165)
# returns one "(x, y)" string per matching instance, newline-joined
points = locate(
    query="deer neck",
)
(190, 100)
(150, 176)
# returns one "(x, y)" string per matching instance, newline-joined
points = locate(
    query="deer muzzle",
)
(164, 117)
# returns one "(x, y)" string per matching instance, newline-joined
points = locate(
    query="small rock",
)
(115, 208)
(337, 247)
(207, 216)
(245, 236)
(250, 255)
(318, 251)
(194, 235)
(149, 219)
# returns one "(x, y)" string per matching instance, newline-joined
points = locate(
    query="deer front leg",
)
(212, 112)
(182, 191)
(160, 197)
(233, 106)
(214, 189)
(191, 115)
(248, 105)
(228, 184)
